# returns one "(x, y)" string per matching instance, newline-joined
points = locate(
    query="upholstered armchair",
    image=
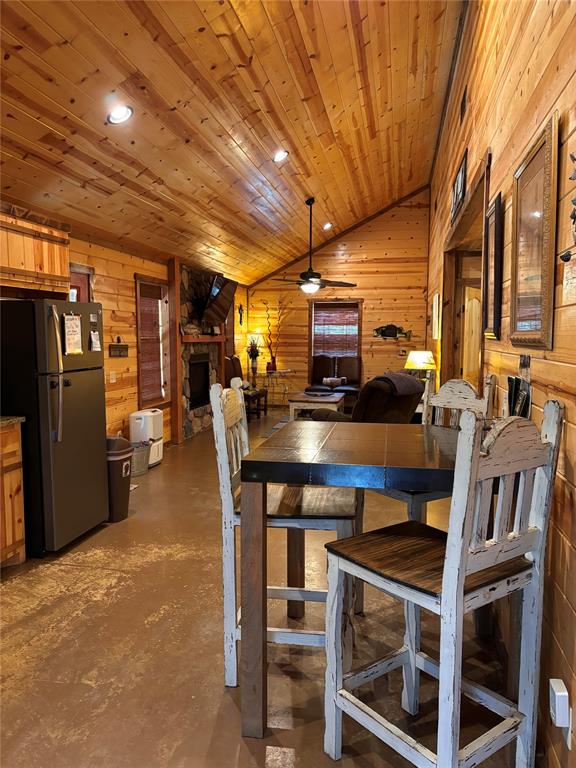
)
(389, 399)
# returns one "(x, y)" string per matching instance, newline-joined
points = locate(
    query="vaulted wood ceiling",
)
(353, 90)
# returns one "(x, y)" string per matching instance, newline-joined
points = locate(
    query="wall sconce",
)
(240, 313)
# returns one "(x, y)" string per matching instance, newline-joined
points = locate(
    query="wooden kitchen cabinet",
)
(12, 547)
(33, 256)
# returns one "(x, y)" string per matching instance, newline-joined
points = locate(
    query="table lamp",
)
(420, 360)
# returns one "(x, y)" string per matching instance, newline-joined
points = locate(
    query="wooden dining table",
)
(352, 455)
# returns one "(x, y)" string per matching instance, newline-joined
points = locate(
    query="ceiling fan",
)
(311, 281)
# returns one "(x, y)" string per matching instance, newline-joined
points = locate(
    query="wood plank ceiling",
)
(353, 90)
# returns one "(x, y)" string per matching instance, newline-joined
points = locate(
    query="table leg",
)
(296, 569)
(253, 660)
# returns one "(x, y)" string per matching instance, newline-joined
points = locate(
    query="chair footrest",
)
(375, 669)
(305, 637)
(472, 754)
(297, 593)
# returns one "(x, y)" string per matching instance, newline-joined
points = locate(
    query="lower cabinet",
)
(12, 545)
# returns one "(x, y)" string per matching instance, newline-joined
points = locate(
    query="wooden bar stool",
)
(453, 397)
(450, 575)
(295, 508)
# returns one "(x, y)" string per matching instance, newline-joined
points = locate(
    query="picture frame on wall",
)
(492, 268)
(459, 187)
(534, 198)
(436, 317)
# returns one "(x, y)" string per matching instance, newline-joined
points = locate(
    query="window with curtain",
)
(153, 342)
(335, 328)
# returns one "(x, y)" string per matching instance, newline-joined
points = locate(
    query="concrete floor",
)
(112, 650)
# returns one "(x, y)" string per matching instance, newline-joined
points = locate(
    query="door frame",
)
(478, 193)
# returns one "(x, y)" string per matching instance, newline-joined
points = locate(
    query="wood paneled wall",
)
(387, 258)
(114, 288)
(517, 63)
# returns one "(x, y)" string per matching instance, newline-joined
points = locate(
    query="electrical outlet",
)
(560, 710)
(112, 377)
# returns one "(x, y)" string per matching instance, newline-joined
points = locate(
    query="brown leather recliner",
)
(388, 399)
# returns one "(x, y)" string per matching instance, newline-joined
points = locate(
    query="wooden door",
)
(471, 334)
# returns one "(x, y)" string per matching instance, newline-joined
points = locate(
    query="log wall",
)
(517, 63)
(387, 258)
(114, 288)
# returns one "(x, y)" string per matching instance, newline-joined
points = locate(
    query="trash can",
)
(119, 454)
(141, 458)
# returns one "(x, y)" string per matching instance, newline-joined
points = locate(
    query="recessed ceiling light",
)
(327, 226)
(120, 114)
(282, 154)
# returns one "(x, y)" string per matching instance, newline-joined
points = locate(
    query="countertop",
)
(7, 421)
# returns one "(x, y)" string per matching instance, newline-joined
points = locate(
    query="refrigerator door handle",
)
(57, 337)
(57, 433)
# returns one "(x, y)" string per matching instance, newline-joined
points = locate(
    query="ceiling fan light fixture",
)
(120, 114)
(310, 287)
(280, 155)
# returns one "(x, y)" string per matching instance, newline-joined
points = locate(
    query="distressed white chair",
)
(295, 508)
(451, 575)
(453, 397)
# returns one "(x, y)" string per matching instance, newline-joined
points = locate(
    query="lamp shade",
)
(420, 360)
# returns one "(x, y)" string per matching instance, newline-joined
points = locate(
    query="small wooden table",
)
(302, 401)
(338, 454)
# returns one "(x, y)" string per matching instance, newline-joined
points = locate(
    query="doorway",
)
(468, 320)
(462, 327)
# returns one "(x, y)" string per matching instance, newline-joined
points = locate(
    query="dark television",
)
(219, 301)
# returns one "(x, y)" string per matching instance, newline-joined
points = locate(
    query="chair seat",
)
(309, 502)
(318, 388)
(412, 554)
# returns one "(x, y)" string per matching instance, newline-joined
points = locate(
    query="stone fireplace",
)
(200, 359)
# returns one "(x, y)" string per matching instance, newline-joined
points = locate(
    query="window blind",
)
(150, 342)
(335, 329)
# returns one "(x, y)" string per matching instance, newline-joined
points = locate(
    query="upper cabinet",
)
(33, 256)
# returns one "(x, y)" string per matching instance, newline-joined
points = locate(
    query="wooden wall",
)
(387, 258)
(517, 61)
(114, 288)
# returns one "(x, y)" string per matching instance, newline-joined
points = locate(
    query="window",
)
(335, 328)
(153, 342)
(80, 283)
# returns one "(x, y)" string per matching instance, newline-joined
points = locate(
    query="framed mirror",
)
(534, 196)
(492, 268)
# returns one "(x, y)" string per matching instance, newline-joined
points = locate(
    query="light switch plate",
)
(112, 377)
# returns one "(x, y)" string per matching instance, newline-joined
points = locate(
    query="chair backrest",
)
(522, 462)
(350, 367)
(231, 438)
(456, 396)
(237, 367)
(323, 367)
(228, 371)
(379, 402)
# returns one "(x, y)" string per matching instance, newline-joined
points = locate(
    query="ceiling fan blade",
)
(336, 284)
(284, 280)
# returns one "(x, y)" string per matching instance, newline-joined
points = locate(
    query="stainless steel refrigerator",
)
(52, 374)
